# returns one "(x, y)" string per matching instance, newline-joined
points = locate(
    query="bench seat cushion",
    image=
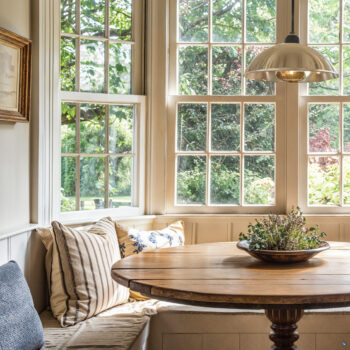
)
(124, 329)
(127, 326)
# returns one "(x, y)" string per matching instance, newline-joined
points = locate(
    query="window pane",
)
(261, 21)
(346, 126)
(68, 16)
(120, 19)
(329, 87)
(120, 181)
(121, 129)
(92, 183)
(68, 115)
(193, 20)
(68, 174)
(254, 87)
(191, 180)
(92, 59)
(259, 127)
(259, 180)
(224, 179)
(346, 21)
(193, 70)
(226, 68)
(346, 174)
(346, 70)
(191, 127)
(225, 127)
(67, 64)
(92, 17)
(323, 21)
(120, 68)
(92, 128)
(323, 127)
(227, 21)
(324, 181)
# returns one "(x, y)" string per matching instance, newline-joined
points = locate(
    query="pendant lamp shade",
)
(291, 62)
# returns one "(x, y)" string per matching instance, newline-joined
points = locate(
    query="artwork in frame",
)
(15, 77)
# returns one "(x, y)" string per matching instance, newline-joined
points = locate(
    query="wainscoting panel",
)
(18, 248)
(14, 247)
(223, 228)
(3, 251)
(209, 231)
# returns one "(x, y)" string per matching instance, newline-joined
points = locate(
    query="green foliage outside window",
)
(97, 167)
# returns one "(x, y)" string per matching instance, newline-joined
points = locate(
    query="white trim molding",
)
(45, 120)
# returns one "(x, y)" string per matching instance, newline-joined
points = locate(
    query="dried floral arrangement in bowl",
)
(283, 239)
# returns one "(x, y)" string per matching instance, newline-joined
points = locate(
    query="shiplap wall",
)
(14, 247)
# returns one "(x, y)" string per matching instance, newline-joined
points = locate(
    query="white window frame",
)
(173, 100)
(46, 180)
(304, 101)
(138, 185)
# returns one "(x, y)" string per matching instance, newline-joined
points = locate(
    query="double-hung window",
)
(225, 132)
(102, 107)
(325, 111)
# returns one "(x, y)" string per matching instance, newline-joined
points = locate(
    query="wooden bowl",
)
(283, 256)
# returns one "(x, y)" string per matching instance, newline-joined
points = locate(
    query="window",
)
(102, 110)
(326, 112)
(223, 131)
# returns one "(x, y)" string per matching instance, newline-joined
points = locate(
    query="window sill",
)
(90, 216)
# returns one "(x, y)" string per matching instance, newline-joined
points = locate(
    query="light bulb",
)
(291, 76)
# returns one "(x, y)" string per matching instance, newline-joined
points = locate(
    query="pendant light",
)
(290, 62)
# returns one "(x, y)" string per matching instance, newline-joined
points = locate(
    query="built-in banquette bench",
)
(156, 325)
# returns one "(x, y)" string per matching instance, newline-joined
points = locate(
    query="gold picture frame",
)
(15, 77)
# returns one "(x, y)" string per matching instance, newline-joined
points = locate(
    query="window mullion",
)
(241, 155)
(208, 159)
(341, 48)
(77, 159)
(107, 157)
(210, 49)
(106, 44)
(243, 79)
(341, 157)
(77, 46)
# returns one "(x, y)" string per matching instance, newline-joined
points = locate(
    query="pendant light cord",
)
(292, 37)
(292, 32)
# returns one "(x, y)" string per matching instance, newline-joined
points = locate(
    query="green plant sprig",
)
(283, 233)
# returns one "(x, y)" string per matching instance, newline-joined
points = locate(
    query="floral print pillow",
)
(133, 241)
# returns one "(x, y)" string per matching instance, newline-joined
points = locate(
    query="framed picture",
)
(15, 77)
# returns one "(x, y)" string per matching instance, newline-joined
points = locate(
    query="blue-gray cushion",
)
(20, 325)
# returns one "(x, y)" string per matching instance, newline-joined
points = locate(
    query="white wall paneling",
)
(4, 251)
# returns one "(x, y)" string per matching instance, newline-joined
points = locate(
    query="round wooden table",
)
(220, 275)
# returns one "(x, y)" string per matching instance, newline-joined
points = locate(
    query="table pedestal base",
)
(284, 327)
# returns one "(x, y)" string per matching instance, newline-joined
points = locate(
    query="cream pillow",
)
(132, 241)
(79, 265)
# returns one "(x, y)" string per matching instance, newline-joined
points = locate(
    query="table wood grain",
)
(221, 275)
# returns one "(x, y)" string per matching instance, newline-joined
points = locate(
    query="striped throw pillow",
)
(79, 275)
